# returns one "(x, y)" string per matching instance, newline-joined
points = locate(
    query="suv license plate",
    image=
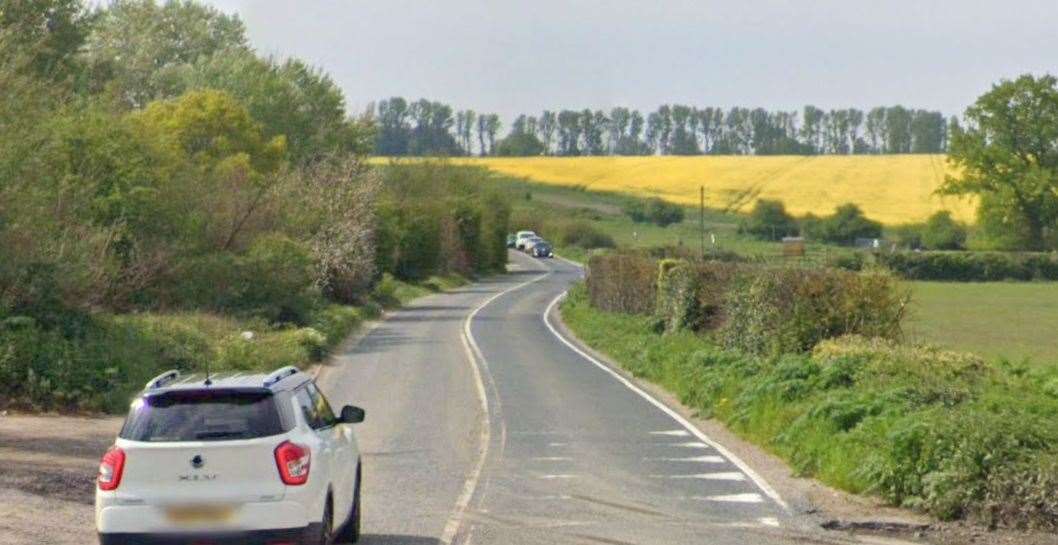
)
(194, 515)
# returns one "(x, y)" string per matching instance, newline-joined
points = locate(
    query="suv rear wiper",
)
(219, 434)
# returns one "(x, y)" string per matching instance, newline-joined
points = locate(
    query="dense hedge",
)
(622, 283)
(751, 307)
(775, 310)
(971, 266)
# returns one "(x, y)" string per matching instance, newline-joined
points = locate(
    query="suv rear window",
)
(202, 416)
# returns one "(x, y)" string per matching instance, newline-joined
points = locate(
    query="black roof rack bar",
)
(280, 374)
(162, 379)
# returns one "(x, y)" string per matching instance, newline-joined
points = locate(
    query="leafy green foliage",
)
(753, 308)
(1006, 154)
(769, 221)
(436, 219)
(941, 232)
(939, 431)
(620, 282)
(843, 227)
(141, 50)
(971, 266)
(657, 211)
(45, 34)
(583, 235)
(520, 145)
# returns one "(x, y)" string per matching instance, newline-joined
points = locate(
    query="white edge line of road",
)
(478, 364)
(757, 479)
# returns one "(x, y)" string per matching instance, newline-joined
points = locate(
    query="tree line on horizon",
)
(431, 128)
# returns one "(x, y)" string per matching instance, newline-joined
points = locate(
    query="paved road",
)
(568, 453)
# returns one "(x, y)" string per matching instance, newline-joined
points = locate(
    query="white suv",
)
(232, 458)
(521, 238)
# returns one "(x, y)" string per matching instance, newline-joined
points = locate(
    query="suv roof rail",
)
(162, 379)
(280, 374)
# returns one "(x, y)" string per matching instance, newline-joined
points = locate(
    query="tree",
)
(942, 232)
(569, 129)
(48, 33)
(394, 132)
(547, 126)
(876, 135)
(231, 161)
(769, 221)
(432, 132)
(843, 227)
(492, 128)
(1007, 156)
(140, 49)
(812, 129)
(290, 99)
(898, 130)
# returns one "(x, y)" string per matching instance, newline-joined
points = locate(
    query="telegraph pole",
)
(701, 218)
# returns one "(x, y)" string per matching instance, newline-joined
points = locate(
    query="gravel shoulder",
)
(48, 477)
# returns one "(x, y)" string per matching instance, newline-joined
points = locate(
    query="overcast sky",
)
(512, 57)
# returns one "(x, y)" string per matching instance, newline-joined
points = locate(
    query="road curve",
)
(559, 450)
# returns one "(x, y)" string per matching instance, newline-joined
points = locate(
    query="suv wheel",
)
(327, 525)
(350, 533)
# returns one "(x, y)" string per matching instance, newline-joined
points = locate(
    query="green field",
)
(604, 211)
(993, 319)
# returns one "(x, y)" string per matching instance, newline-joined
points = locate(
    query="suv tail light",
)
(110, 469)
(293, 461)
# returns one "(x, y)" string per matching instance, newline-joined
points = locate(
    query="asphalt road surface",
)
(485, 427)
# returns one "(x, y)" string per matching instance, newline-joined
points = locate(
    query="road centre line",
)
(479, 366)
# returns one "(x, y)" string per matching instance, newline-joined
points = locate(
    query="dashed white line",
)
(479, 366)
(748, 471)
(692, 459)
(675, 433)
(560, 476)
(732, 498)
(726, 476)
(551, 459)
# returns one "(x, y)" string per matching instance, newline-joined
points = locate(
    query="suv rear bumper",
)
(308, 535)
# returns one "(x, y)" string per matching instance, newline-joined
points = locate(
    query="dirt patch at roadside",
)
(48, 477)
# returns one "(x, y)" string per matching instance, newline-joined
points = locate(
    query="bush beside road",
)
(945, 432)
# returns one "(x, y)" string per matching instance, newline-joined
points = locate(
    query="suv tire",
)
(326, 536)
(350, 533)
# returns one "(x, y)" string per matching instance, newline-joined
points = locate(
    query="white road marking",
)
(769, 521)
(560, 476)
(557, 444)
(478, 365)
(757, 479)
(692, 444)
(675, 433)
(732, 498)
(699, 459)
(551, 459)
(728, 476)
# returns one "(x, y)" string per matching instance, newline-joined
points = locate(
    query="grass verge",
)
(924, 428)
(99, 362)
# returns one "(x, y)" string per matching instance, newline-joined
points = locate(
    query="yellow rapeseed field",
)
(893, 189)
